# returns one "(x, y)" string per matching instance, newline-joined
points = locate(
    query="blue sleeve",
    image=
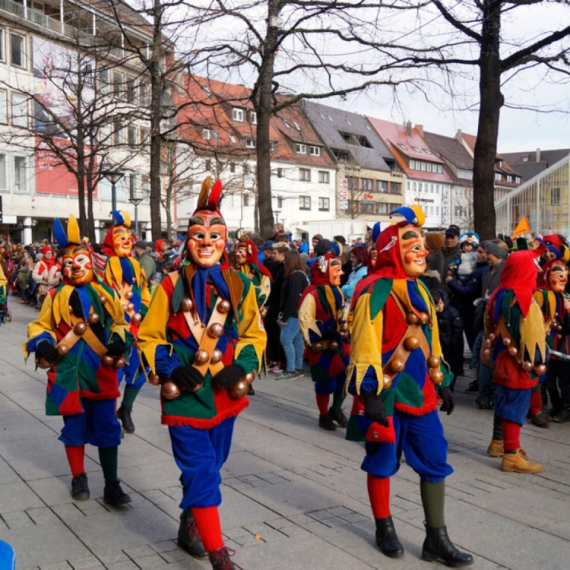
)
(33, 343)
(369, 382)
(165, 361)
(348, 289)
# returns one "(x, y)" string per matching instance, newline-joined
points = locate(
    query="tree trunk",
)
(81, 180)
(491, 101)
(264, 111)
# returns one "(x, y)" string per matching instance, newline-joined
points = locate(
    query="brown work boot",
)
(517, 462)
(495, 448)
(541, 420)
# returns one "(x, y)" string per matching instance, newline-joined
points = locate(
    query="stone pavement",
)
(293, 495)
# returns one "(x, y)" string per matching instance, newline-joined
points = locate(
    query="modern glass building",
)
(544, 199)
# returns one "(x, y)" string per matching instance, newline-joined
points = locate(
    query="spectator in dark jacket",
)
(450, 333)
(451, 251)
(275, 353)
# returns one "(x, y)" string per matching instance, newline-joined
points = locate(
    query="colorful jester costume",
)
(323, 324)
(202, 339)
(515, 331)
(247, 257)
(395, 367)
(81, 337)
(123, 274)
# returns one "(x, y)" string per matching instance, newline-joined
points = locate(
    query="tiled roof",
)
(528, 166)
(450, 149)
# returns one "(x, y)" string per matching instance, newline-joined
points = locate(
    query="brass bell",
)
(125, 307)
(333, 345)
(93, 318)
(424, 317)
(487, 342)
(170, 390)
(62, 349)
(386, 381)
(487, 352)
(70, 310)
(559, 337)
(263, 312)
(137, 319)
(513, 351)
(119, 363)
(559, 328)
(343, 335)
(317, 347)
(411, 343)
(540, 369)
(433, 361)
(216, 356)
(153, 379)
(79, 328)
(239, 389)
(130, 307)
(507, 342)
(202, 356)
(412, 319)
(215, 330)
(103, 299)
(108, 360)
(249, 378)
(187, 305)
(224, 307)
(526, 365)
(436, 376)
(129, 295)
(43, 363)
(344, 328)
(342, 321)
(397, 365)
(492, 337)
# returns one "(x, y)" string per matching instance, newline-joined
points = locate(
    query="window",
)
(233, 140)
(206, 134)
(17, 50)
(412, 164)
(19, 110)
(395, 188)
(143, 94)
(324, 177)
(253, 116)
(3, 106)
(381, 186)
(2, 45)
(423, 164)
(555, 196)
(249, 143)
(402, 146)
(279, 173)
(427, 151)
(132, 135)
(20, 180)
(237, 115)
(509, 178)
(439, 169)
(416, 149)
(117, 132)
(286, 123)
(246, 168)
(104, 81)
(300, 149)
(305, 174)
(232, 166)
(246, 200)
(297, 125)
(132, 185)
(144, 136)
(304, 202)
(429, 167)
(131, 91)
(381, 208)
(324, 204)
(117, 84)
(279, 201)
(315, 150)
(518, 179)
(3, 173)
(366, 184)
(208, 165)
(498, 176)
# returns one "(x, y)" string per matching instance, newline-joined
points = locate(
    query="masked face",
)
(335, 272)
(373, 256)
(77, 266)
(412, 251)
(122, 242)
(558, 278)
(241, 253)
(206, 238)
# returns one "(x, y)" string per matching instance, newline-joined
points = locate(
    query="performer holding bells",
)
(202, 339)
(394, 371)
(82, 338)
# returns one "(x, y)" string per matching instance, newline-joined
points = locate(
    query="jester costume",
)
(202, 340)
(123, 274)
(395, 368)
(323, 324)
(514, 327)
(247, 258)
(82, 338)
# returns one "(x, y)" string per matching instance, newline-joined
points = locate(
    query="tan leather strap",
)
(70, 339)
(123, 290)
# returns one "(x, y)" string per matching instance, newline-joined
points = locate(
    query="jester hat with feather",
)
(118, 240)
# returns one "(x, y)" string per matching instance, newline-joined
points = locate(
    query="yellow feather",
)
(127, 218)
(203, 197)
(73, 234)
(419, 214)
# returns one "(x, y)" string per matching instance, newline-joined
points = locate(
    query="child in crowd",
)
(465, 264)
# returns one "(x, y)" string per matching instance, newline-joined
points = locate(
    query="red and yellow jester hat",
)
(390, 244)
(118, 240)
(321, 269)
(252, 255)
(562, 257)
(207, 231)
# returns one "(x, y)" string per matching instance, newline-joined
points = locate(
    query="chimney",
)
(420, 129)
(409, 128)
(537, 155)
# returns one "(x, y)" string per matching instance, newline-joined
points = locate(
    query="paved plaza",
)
(294, 496)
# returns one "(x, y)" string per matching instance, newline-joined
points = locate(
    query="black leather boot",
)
(437, 546)
(220, 559)
(188, 537)
(387, 539)
(124, 414)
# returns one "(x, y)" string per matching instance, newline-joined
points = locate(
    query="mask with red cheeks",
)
(122, 242)
(412, 251)
(558, 278)
(241, 254)
(373, 256)
(77, 267)
(206, 238)
(335, 272)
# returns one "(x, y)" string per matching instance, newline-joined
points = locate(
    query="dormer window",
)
(416, 149)
(301, 148)
(315, 150)
(297, 125)
(233, 140)
(286, 123)
(206, 134)
(237, 115)
(402, 146)
(253, 118)
(249, 143)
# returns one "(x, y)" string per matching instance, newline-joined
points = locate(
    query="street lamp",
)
(277, 212)
(135, 202)
(113, 176)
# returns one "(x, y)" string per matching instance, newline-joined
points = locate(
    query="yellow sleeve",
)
(45, 323)
(3, 280)
(250, 327)
(532, 337)
(307, 321)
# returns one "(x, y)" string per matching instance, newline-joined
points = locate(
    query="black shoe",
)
(220, 558)
(437, 546)
(189, 538)
(124, 414)
(562, 416)
(114, 495)
(473, 388)
(80, 488)
(325, 421)
(338, 417)
(250, 391)
(387, 539)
